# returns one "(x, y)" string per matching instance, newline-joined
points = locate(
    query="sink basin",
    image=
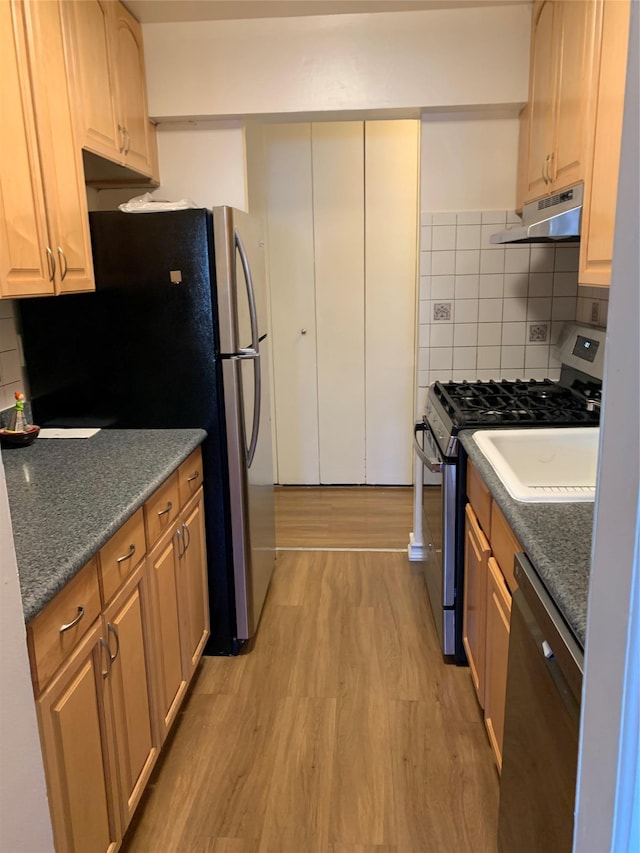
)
(544, 465)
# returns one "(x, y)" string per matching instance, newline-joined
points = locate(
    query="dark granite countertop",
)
(555, 536)
(67, 497)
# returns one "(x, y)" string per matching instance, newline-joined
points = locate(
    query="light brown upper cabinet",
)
(562, 49)
(44, 228)
(603, 158)
(109, 85)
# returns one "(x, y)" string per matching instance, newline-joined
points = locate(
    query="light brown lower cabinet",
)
(490, 548)
(474, 623)
(75, 718)
(109, 682)
(497, 655)
(127, 627)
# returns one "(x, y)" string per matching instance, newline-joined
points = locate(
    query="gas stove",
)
(572, 401)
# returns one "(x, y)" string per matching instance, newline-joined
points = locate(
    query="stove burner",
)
(512, 402)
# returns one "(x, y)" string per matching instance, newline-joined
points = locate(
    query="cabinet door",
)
(542, 98)
(338, 227)
(291, 273)
(172, 682)
(128, 54)
(192, 579)
(498, 624)
(391, 238)
(576, 21)
(75, 719)
(601, 185)
(476, 557)
(25, 265)
(89, 41)
(127, 628)
(60, 152)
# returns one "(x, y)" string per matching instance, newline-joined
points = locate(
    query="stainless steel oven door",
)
(439, 508)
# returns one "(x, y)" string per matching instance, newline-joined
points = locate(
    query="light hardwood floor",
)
(341, 731)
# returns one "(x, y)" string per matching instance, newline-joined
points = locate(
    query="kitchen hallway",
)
(341, 730)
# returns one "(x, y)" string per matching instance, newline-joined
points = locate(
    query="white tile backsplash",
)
(467, 262)
(495, 293)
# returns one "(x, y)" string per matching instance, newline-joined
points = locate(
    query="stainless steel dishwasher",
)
(542, 720)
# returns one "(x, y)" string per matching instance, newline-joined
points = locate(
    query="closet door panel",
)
(338, 216)
(292, 292)
(391, 216)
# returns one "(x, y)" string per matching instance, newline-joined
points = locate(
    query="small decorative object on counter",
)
(19, 432)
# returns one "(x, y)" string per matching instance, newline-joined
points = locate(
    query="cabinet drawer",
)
(161, 510)
(57, 629)
(504, 545)
(121, 554)
(190, 476)
(480, 499)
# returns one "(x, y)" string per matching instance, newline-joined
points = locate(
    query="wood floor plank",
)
(444, 782)
(362, 802)
(345, 516)
(341, 730)
(298, 809)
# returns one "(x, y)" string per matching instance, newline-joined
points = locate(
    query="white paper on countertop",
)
(60, 432)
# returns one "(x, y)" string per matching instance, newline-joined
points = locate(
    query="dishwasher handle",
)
(434, 465)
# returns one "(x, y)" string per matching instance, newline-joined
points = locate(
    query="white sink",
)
(544, 465)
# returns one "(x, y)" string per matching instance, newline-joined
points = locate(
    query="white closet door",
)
(291, 279)
(338, 218)
(391, 216)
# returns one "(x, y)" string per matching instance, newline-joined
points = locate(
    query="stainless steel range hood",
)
(547, 220)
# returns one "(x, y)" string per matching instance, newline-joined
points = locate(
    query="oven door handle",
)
(434, 465)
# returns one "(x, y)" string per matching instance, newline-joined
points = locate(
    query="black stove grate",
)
(511, 403)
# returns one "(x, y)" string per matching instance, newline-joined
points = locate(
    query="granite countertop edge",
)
(555, 536)
(67, 498)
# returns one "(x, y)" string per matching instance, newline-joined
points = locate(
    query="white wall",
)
(203, 161)
(469, 162)
(410, 60)
(610, 690)
(25, 826)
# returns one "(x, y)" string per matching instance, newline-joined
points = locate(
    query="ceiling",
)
(166, 11)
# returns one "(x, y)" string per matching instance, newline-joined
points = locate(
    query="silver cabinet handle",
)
(120, 138)
(52, 264)
(552, 162)
(193, 477)
(111, 629)
(105, 645)
(132, 551)
(180, 539)
(73, 622)
(63, 259)
(303, 331)
(167, 509)
(187, 537)
(127, 138)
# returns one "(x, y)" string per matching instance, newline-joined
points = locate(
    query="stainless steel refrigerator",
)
(175, 336)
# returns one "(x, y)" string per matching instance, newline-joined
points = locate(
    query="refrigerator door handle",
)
(252, 352)
(245, 353)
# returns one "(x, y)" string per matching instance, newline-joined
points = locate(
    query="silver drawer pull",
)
(74, 622)
(112, 630)
(193, 477)
(167, 509)
(132, 551)
(105, 646)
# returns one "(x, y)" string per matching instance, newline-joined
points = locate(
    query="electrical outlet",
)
(441, 310)
(595, 312)
(538, 332)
